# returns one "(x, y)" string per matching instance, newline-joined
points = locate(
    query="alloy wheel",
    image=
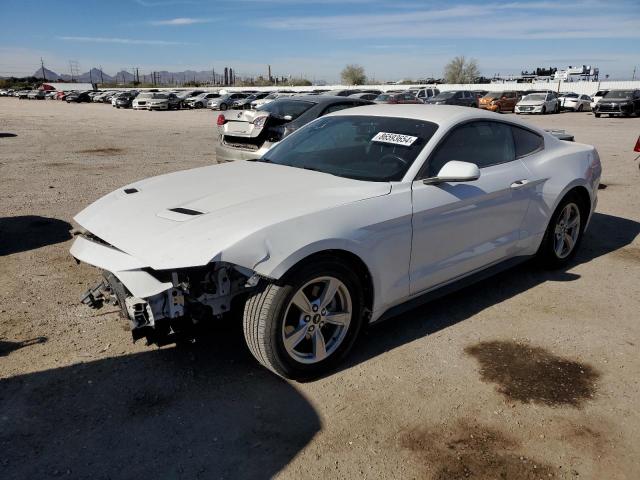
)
(317, 320)
(566, 231)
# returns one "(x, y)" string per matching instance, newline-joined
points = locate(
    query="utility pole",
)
(91, 75)
(44, 76)
(633, 77)
(101, 77)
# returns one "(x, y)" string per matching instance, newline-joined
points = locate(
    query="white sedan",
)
(543, 102)
(575, 102)
(349, 220)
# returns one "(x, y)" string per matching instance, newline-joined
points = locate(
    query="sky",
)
(315, 39)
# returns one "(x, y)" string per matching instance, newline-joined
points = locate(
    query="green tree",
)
(353, 75)
(461, 70)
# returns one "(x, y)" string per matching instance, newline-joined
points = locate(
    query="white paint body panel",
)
(266, 217)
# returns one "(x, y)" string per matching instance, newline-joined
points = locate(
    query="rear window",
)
(284, 107)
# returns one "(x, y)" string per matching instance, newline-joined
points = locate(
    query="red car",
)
(399, 98)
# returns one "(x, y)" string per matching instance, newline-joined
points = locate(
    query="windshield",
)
(376, 149)
(535, 97)
(494, 95)
(444, 95)
(383, 97)
(281, 108)
(619, 94)
(145, 95)
(600, 93)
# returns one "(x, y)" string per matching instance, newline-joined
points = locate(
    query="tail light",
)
(637, 147)
(221, 120)
(260, 121)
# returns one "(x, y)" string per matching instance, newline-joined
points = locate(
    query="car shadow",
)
(204, 412)
(23, 233)
(606, 234)
(7, 347)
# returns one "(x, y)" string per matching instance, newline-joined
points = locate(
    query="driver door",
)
(459, 228)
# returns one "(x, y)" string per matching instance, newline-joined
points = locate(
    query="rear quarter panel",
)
(560, 167)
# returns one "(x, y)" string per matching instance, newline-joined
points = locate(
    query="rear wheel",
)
(564, 233)
(580, 108)
(302, 327)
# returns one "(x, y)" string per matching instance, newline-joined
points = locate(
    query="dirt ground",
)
(528, 375)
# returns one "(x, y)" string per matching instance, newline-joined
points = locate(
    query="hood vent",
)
(129, 191)
(185, 211)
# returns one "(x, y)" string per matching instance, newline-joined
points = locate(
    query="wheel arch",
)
(351, 259)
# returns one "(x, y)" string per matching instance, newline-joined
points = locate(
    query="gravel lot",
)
(528, 375)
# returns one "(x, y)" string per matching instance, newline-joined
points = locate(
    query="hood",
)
(187, 218)
(531, 103)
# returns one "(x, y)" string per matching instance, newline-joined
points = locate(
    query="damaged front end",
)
(165, 306)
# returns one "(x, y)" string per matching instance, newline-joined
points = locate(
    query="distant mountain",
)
(48, 74)
(162, 77)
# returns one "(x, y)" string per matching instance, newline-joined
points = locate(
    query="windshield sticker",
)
(394, 138)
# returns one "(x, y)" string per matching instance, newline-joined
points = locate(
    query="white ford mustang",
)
(352, 218)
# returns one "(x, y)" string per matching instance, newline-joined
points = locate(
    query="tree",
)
(353, 75)
(461, 70)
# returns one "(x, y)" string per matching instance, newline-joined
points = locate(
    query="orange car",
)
(504, 101)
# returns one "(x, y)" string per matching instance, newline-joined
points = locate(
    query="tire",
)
(580, 108)
(597, 115)
(223, 106)
(544, 110)
(549, 253)
(270, 313)
(197, 105)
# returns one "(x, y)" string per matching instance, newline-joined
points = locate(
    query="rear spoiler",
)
(561, 134)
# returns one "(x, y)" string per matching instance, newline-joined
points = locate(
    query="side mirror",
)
(455, 171)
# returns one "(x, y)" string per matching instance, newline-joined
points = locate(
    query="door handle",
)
(519, 183)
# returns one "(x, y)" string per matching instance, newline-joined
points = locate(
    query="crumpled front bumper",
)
(124, 267)
(142, 298)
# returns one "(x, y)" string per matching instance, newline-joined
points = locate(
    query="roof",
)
(443, 115)
(62, 86)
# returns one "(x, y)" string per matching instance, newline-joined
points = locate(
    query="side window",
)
(336, 107)
(421, 94)
(526, 142)
(458, 95)
(482, 143)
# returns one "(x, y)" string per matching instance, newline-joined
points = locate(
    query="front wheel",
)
(302, 327)
(597, 115)
(564, 233)
(223, 106)
(544, 110)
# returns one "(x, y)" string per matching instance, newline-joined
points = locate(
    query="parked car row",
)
(603, 102)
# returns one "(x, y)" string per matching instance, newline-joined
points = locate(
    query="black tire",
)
(546, 253)
(597, 115)
(264, 316)
(544, 110)
(223, 106)
(580, 108)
